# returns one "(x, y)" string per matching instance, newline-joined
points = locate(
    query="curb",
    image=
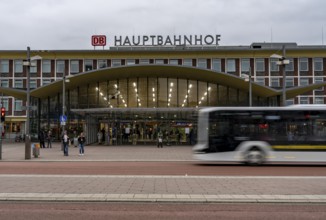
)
(162, 198)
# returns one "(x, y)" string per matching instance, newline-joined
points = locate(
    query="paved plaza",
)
(14, 151)
(148, 188)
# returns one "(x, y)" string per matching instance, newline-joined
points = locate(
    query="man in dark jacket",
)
(41, 137)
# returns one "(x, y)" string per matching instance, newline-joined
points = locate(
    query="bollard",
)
(36, 150)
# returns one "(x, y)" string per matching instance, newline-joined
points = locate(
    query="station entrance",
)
(140, 126)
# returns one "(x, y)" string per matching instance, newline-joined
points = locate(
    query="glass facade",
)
(138, 97)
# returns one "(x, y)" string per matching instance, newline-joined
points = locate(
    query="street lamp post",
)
(250, 88)
(282, 61)
(27, 63)
(249, 79)
(64, 80)
(27, 136)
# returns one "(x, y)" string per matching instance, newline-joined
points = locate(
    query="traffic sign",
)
(63, 118)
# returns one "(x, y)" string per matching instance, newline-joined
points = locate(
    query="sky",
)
(69, 24)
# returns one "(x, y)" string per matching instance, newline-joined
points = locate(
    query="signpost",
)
(63, 119)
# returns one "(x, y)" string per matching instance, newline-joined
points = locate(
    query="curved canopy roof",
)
(153, 70)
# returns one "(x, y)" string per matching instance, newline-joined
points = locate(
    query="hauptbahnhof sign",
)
(160, 40)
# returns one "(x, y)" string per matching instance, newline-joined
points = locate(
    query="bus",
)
(255, 135)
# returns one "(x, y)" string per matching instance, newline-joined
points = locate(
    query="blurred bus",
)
(255, 135)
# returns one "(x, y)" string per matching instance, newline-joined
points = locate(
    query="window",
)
(88, 65)
(230, 65)
(18, 105)
(319, 100)
(202, 63)
(60, 66)
(260, 81)
(74, 66)
(144, 61)
(174, 62)
(260, 65)
(275, 82)
(274, 66)
(216, 65)
(46, 66)
(187, 62)
(289, 102)
(46, 82)
(4, 66)
(131, 62)
(289, 67)
(5, 104)
(18, 66)
(304, 100)
(159, 61)
(303, 64)
(318, 64)
(33, 84)
(116, 63)
(18, 83)
(319, 80)
(5, 83)
(289, 82)
(103, 64)
(33, 68)
(304, 81)
(245, 65)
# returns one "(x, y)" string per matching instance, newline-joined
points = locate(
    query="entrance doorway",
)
(143, 126)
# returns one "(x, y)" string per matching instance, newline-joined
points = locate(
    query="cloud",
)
(69, 24)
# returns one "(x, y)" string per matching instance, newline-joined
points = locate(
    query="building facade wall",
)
(55, 64)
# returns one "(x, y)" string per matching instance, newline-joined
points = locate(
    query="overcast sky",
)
(69, 24)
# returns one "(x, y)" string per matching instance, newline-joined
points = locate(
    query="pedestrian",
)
(99, 136)
(75, 139)
(160, 140)
(81, 141)
(65, 141)
(41, 137)
(49, 137)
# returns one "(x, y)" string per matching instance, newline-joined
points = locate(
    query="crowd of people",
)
(78, 140)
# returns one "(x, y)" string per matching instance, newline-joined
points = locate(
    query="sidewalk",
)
(16, 152)
(146, 188)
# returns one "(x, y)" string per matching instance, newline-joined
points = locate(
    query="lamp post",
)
(27, 63)
(248, 78)
(64, 80)
(27, 136)
(250, 88)
(282, 61)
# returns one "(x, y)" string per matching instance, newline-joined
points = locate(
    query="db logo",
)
(98, 40)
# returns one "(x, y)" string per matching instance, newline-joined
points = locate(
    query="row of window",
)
(274, 82)
(216, 65)
(18, 104)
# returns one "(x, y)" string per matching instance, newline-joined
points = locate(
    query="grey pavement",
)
(148, 188)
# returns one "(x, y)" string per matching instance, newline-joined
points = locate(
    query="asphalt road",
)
(158, 168)
(141, 211)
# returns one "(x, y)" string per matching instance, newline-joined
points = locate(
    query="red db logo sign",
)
(98, 40)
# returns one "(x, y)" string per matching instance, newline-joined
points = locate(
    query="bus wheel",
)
(254, 156)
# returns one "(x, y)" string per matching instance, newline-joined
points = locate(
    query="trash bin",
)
(36, 150)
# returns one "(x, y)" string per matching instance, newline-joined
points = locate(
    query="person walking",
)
(41, 137)
(49, 137)
(81, 141)
(65, 140)
(99, 137)
(160, 140)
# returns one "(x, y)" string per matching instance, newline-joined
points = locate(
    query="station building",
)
(131, 93)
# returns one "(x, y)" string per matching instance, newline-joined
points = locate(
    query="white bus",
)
(255, 135)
